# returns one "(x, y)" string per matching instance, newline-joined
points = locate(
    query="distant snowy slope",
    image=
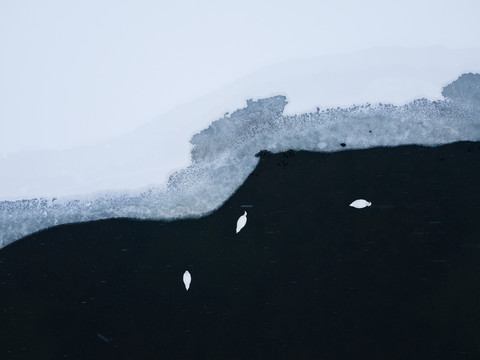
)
(387, 75)
(147, 156)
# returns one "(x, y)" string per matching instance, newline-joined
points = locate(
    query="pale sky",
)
(76, 72)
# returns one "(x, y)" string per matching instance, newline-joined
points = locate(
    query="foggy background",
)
(76, 73)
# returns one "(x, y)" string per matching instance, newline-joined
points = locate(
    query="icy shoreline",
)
(223, 155)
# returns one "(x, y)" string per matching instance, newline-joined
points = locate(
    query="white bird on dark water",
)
(187, 279)
(360, 203)
(242, 220)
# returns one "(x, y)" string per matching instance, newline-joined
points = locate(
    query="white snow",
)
(147, 156)
(127, 176)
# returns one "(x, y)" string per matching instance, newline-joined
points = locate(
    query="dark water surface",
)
(308, 277)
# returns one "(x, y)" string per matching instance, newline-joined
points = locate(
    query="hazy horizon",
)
(75, 74)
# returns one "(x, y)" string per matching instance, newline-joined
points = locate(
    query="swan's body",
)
(360, 204)
(242, 220)
(187, 279)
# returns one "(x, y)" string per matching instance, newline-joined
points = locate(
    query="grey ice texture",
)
(223, 155)
(147, 156)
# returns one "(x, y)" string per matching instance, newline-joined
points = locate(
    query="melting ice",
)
(223, 155)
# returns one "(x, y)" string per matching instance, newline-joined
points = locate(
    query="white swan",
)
(360, 203)
(187, 279)
(242, 220)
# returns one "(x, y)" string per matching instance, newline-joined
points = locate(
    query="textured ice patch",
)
(223, 155)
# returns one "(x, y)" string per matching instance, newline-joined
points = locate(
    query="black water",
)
(308, 277)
